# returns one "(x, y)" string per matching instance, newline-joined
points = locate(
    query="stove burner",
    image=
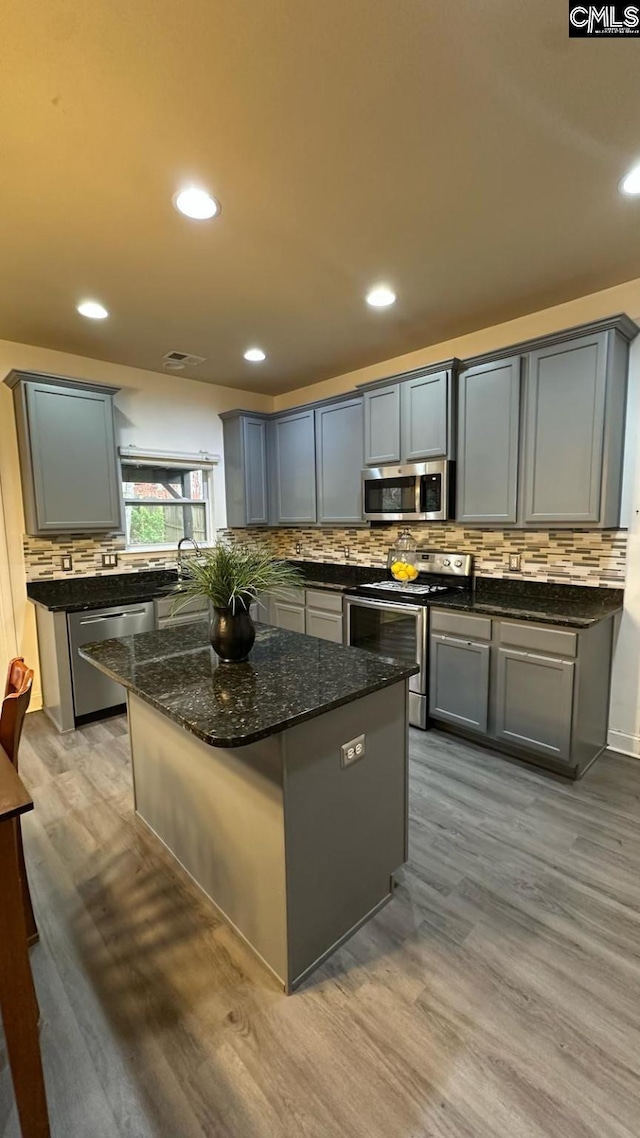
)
(406, 587)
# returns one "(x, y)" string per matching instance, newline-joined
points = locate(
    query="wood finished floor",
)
(497, 996)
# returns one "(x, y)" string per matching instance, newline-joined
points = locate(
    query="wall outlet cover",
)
(66, 562)
(514, 562)
(352, 751)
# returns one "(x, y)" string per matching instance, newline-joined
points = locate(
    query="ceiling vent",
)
(173, 358)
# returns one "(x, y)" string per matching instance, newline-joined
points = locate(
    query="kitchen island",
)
(244, 773)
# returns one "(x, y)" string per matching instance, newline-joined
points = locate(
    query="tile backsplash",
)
(43, 556)
(579, 557)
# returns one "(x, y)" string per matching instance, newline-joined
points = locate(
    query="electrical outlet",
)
(109, 560)
(347, 553)
(66, 562)
(298, 547)
(514, 562)
(352, 751)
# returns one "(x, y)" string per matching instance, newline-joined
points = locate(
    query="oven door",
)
(393, 630)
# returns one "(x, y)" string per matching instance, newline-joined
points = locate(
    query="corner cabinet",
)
(339, 461)
(245, 465)
(68, 457)
(293, 468)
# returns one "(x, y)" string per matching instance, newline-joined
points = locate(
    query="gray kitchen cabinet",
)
(293, 468)
(488, 442)
(68, 456)
(339, 460)
(565, 406)
(324, 617)
(324, 625)
(245, 454)
(424, 417)
(459, 681)
(382, 425)
(287, 615)
(534, 702)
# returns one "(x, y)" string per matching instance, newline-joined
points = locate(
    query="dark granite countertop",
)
(289, 678)
(575, 606)
(77, 594)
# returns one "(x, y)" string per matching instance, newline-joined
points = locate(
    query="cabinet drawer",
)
(555, 641)
(164, 607)
(290, 596)
(324, 600)
(461, 624)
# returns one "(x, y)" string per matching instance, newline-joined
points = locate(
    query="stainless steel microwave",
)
(420, 492)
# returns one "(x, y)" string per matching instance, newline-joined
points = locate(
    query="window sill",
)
(132, 550)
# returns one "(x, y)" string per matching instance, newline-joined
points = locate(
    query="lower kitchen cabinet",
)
(534, 702)
(316, 612)
(289, 616)
(537, 691)
(459, 681)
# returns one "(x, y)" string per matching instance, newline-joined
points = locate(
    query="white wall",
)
(153, 410)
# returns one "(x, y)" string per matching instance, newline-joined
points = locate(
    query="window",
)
(165, 500)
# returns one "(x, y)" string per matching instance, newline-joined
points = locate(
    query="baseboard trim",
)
(624, 744)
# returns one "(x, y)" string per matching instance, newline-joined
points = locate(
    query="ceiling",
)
(468, 153)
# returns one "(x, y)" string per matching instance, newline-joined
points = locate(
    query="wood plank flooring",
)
(497, 996)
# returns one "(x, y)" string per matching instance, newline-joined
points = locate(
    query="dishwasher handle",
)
(111, 616)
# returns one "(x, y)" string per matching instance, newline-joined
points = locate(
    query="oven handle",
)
(391, 606)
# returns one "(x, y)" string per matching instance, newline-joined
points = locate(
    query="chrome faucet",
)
(180, 544)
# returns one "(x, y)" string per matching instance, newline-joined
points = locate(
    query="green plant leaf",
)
(232, 575)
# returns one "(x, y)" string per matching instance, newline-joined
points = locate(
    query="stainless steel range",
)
(391, 617)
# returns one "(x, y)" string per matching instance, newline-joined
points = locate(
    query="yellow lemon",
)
(412, 572)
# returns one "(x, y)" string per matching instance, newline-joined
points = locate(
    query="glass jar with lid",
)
(401, 559)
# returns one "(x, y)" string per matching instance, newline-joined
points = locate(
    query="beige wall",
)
(153, 410)
(622, 298)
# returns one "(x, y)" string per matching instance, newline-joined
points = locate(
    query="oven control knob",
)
(458, 564)
(446, 561)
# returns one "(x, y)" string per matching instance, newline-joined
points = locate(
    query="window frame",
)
(202, 461)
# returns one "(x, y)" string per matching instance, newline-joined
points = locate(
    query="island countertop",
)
(289, 678)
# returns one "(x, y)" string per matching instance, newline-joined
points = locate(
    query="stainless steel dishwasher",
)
(92, 691)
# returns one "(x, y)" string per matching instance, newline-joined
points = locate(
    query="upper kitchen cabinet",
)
(488, 442)
(411, 419)
(68, 458)
(382, 425)
(339, 460)
(574, 431)
(293, 468)
(245, 464)
(425, 417)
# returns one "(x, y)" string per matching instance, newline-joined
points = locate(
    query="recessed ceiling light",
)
(255, 355)
(381, 296)
(93, 309)
(196, 203)
(630, 184)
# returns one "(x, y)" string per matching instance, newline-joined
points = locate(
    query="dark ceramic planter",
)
(232, 634)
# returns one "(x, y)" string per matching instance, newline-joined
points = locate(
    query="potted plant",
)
(232, 575)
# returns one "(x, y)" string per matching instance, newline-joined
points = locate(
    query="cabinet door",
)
(382, 425)
(291, 617)
(73, 457)
(325, 625)
(255, 471)
(424, 417)
(339, 461)
(459, 682)
(534, 702)
(565, 399)
(295, 468)
(488, 432)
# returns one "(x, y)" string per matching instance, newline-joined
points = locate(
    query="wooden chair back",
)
(17, 694)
